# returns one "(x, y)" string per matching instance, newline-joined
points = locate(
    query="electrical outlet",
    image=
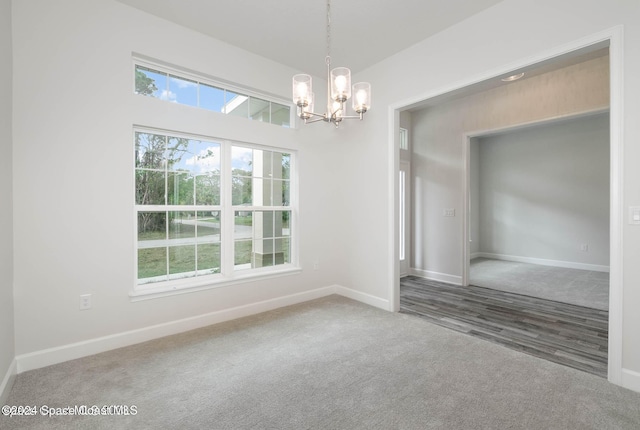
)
(449, 212)
(584, 247)
(316, 265)
(85, 302)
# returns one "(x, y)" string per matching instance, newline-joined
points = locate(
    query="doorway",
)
(612, 39)
(538, 204)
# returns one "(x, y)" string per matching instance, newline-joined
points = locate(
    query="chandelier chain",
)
(328, 32)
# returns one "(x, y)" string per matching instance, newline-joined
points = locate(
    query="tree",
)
(144, 84)
(155, 154)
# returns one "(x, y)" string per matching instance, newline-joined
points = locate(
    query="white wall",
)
(544, 192)
(74, 109)
(6, 208)
(489, 43)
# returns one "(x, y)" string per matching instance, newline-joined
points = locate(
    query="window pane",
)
(280, 114)
(237, 104)
(286, 165)
(242, 254)
(264, 254)
(183, 91)
(204, 157)
(241, 193)
(283, 246)
(150, 187)
(277, 190)
(263, 224)
(180, 188)
(211, 98)
(182, 259)
(404, 141)
(150, 82)
(208, 227)
(179, 150)
(242, 160)
(261, 192)
(152, 262)
(150, 150)
(152, 226)
(282, 219)
(209, 258)
(259, 110)
(182, 227)
(286, 193)
(243, 225)
(207, 189)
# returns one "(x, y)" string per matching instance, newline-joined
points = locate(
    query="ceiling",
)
(293, 32)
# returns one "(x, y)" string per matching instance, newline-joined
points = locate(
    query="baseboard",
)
(362, 297)
(542, 261)
(7, 382)
(631, 380)
(436, 276)
(47, 357)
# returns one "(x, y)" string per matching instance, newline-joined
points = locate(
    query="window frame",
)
(176, 72)
(228, 274)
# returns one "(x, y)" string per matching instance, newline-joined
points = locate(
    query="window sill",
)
(172, 288)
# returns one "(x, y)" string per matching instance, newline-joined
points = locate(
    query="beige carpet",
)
(327, 364)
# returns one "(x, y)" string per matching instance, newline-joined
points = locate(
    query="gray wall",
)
(438, 155)
(544, 191)
(7, 350)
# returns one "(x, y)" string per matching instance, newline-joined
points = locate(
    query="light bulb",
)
(361, 97)
(301, 90)
(341, 83)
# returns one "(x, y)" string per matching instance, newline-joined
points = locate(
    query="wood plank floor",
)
(570, 335)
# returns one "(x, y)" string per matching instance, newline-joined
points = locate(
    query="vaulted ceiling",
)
(293, 32)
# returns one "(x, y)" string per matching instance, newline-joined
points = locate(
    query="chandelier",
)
(339, 90)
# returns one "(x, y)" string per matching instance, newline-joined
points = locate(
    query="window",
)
(209, 208)
(152, 81)
(404, 138)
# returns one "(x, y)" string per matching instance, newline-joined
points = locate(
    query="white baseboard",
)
(631, 380)
(363, 297)
(7, 382)
(542, 261)
(47, 357)
(436, 276)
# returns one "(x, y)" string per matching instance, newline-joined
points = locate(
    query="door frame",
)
(612, 36)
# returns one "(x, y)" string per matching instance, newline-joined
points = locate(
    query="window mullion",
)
(226, 223)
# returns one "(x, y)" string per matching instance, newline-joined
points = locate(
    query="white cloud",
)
(168, 95)
(207, 160)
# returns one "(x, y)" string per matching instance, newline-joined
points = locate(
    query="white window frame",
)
(140, 60)
(228, 274)
(404, 139)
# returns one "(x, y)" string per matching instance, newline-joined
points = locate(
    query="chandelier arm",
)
(360, 116)
(322, 115)
(321, 118)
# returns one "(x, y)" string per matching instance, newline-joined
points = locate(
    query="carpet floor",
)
(331, 363)
(566, 334)
(577, 287)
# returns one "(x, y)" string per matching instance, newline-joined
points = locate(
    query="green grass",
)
(180, 231)
(153, 261)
